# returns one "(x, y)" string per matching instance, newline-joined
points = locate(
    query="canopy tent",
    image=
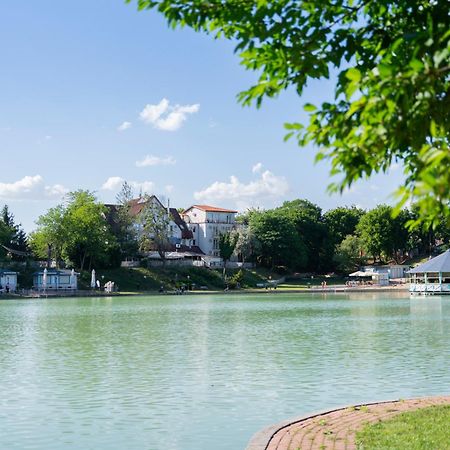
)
(431, 277)
(361, 273)
(439, 264)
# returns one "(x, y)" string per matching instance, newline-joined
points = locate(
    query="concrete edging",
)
(261, 439)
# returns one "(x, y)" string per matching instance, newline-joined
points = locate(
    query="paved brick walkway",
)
(334, 430)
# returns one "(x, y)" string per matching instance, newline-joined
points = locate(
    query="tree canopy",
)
(76, 232)
(392, 94)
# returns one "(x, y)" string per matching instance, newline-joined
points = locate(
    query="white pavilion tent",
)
(432, 276)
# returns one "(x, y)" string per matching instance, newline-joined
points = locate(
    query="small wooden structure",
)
(8, 281)
(431, 277)
(52, 279)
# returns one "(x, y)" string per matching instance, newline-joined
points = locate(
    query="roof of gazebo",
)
(440, 263)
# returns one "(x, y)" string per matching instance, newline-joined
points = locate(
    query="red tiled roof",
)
(209, 208)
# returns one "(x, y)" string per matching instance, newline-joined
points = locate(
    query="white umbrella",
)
(93, 283)
(73, 280)
(44, 279)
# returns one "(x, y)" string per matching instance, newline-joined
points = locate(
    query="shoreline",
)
(337, 289)
(334, 428)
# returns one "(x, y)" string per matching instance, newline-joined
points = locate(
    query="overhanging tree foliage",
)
(392, 95)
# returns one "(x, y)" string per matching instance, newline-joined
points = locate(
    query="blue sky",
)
(93, 93)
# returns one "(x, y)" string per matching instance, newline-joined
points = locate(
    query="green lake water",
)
(206, 372)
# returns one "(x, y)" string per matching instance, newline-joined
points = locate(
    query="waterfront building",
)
(8, 281)
(207, 223)
(53, 279)
(431, 277)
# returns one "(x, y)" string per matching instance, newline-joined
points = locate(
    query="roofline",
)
(206, 209)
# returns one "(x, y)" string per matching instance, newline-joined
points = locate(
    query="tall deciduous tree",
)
(311, 230)
(341, 222)
(384, 237)
(124, 229)
(247, 244)
(280, 242)
(349, 254)
(392, 100)
(154, 219)
(87, 233)
(227, 244)
(76, 232)
(50, 236)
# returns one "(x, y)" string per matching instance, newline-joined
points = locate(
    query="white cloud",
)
(151, 113)
(30, 187)
(21, 187)
(152, 160)
(48, 137)
(267, 185)
(112, 183)
(165, 117)
(169, 188)
(57, 190)
(115, 183)
(124, 126)
(257, 168)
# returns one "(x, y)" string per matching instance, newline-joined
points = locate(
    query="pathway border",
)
(335, 428)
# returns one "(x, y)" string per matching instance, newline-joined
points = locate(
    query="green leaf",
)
(353, 74)
(309, 107)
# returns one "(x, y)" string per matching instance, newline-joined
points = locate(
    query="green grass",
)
(150, 279)
(423, 429)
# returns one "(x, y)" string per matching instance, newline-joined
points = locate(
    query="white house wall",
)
(207, 226)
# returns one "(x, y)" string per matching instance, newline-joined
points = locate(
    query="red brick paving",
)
(336, 430)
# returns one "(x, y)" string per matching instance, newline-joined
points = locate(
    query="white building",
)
(53, 279)
(8, 281)
(207, 223)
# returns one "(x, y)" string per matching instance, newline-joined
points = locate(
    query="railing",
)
(429, 287)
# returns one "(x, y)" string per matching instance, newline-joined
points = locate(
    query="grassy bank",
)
(417, 430)
(151, 279)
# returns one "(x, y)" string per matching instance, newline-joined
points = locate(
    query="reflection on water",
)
(196, 373)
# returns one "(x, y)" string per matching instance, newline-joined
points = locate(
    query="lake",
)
(206, 372)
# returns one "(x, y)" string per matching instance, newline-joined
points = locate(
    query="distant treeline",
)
(300, 237)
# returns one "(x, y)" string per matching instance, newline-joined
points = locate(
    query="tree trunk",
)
(82, 260)
(49, 255)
